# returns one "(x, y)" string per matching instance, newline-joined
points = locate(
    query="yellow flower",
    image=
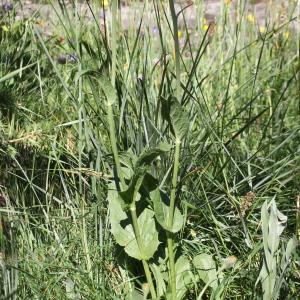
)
(251, 18)
(227, 2)
(205, 27)
(180, 34)
(40, 22)
(193, 233)
(286, 34)
(262, 29)
(5, 28)
(104, 3)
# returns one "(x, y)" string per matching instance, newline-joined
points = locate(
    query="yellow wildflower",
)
(227, 2)
(262, 29)
(286, 34)
(205, 27)
(5, 28)
(251, 18)
(180, 34)
(104, 3)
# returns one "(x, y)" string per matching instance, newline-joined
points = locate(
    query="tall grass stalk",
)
(170, 239)
(110, 116)
(240, 91)
(176, 47)
(115, 150)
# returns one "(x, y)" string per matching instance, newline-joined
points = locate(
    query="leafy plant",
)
(140, 148)
(273, 269)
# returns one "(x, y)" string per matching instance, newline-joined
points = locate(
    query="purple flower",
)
(72, 58)
(102, 14)
(154, 30)
(62, 59)
(7, 6)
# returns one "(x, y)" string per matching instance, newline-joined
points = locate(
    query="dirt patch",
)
(263, 10)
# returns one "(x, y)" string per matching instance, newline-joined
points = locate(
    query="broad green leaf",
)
(125, 236)
(149, 155)
(149, 237)
(159, 279)
(108, 90)
(206, 269)
(176, 116)
(135, 295)
(140, 171)
(183, 276)
(116, 215)
(290, 248)
(130, 194)
(277, 223)
(150, 183)
(179, 119)
(273, 222)
(285, 261)
(162, 212)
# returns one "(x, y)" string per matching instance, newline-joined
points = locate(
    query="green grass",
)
(238, 90)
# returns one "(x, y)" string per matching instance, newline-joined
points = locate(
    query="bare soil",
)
(131, 15)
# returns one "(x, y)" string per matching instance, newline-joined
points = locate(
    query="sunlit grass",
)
(239, 84)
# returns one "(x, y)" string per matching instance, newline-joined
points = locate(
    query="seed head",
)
(229, 262)
(247, 201)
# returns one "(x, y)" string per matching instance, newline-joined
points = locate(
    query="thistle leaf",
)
(162, 212)
(184, 276)
(108, 90)
(149, 237)
(176, 116)
(140, 171)
(206, 269)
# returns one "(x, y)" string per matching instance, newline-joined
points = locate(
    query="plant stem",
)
(172, 271)
(171, 220)
(174, 182)
(113, 142)
(112, 134)
(176, 45)
(110, 117)
(170, 240)
(114, 41)
(141, 247)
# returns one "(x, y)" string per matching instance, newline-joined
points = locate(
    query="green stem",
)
(141, 248)
(113, 142)
(114, 41)
(174, 182)
(110, 117)
(176, 45)
(172, 271)
(170, 240)
(112, 134)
